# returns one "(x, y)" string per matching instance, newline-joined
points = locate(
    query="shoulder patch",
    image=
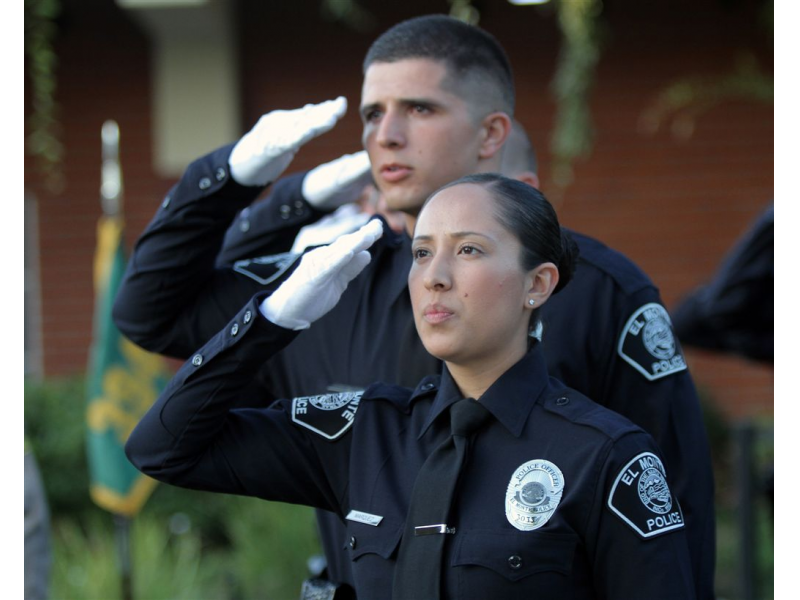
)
(649, 345)
(266, 269)
(329, 415)
(640, 497)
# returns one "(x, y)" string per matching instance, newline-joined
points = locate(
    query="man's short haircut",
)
(468, 52)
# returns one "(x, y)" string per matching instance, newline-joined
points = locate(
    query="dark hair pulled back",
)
(525, 212)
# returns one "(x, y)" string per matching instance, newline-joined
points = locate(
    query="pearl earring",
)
(531, 301)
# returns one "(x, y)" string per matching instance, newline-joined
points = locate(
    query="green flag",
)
(123, 381)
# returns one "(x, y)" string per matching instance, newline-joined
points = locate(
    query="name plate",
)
(362, 517)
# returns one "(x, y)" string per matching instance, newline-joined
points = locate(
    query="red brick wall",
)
(674, 206)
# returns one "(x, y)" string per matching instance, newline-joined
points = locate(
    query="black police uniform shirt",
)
(735, 311)
(605, 524)
(606, 334)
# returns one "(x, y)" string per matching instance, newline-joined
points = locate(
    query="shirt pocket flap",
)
(516, 555)
(365, 539)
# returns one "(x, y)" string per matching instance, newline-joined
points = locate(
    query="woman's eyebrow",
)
(455, 234)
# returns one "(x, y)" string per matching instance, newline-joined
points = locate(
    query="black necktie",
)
(418, 571)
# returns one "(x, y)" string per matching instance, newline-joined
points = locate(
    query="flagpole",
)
(111, 202)
(111, 183)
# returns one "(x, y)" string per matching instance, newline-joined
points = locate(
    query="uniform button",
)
(166, 202)
(244, 225)
(353, 542)
(220, 174)
(562, 401)
(299, 208)
(427, 386)
(247, 316)
(286, 211)
(515, 561)
(204, 183)
(235, 329)
(197, 360)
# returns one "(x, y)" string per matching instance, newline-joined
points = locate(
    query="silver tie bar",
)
(433, 529)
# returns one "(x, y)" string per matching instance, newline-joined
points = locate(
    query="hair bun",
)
(568, 260)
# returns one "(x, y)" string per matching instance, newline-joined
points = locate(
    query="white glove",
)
(338, 182)
(267, 149)
(319, 281)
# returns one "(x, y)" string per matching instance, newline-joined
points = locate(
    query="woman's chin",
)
(439, 350)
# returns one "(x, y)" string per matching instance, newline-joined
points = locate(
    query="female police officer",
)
(529, 491)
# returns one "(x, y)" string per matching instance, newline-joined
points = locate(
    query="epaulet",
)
(625, 273)
(578, 409)
(396, 395)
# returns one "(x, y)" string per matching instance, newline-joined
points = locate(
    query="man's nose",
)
(391, 131)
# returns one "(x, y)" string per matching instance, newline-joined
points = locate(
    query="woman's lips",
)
(437, 314)
(393, 173)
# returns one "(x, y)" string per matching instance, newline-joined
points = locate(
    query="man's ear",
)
(496, 129)
(529, 177)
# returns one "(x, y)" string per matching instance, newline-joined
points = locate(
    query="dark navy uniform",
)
(606, 334)
(735, 311)
(604, 526)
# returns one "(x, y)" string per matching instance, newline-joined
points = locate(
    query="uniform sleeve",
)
(173, 299)
(734, 312)
(193, 437)
(637, 535)
(270, 226)
(625, 356)
(648, 381)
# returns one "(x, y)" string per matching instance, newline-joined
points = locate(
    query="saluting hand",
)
(319, 281)
(266, 150)
(338, 182)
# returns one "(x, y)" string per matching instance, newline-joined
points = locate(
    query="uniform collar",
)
(401, 245)
(510, 398)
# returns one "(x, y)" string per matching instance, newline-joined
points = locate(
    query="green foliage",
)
(185, 544)
(464, 11)
(271, 544)
(682, 103)
(349, 13)
(729, 547)
(40, 62)
(55, 430)
(573, 133)
(163, 565)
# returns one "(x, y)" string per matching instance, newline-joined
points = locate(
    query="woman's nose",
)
(437, 275)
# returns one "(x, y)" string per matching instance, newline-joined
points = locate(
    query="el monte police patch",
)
(266, 269)
(641, 497)
(329, 415)
(649, 345)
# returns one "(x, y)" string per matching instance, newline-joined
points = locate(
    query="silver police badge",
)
(648, 344)
(533, 494)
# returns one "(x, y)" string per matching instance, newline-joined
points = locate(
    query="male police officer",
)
(436, 104)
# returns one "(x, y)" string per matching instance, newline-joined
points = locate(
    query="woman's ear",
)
(496, 128)
(543, 281)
